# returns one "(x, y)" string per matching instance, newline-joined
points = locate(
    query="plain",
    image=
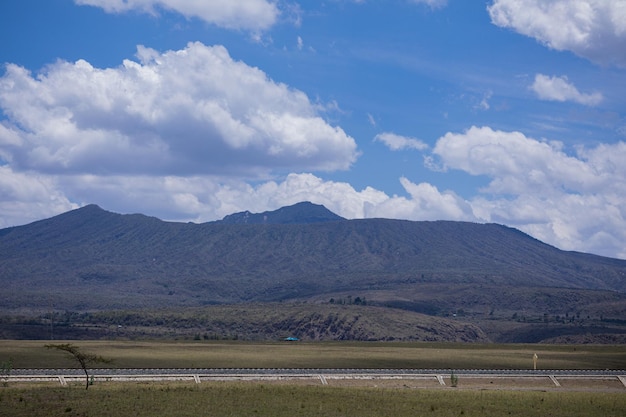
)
(238, 354)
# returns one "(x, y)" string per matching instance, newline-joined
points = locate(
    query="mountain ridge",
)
(92, 259)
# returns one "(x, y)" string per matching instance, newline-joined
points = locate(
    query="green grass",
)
(241, 399)
(156, 354)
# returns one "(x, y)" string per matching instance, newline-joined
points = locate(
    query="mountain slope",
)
(267, 321)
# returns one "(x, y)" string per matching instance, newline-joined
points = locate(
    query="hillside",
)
(91, 259)
(273, 321)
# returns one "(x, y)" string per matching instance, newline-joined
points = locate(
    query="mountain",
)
(91, 259)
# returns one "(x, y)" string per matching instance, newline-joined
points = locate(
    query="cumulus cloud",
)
(592, 29)
(397, 142)
(240, 14)
(572, 201)
(518, 164)
(190, 111)
(560, 89)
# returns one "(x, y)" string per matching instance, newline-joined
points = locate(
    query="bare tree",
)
(82, 358)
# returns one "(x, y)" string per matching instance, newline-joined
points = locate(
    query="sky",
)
(499, 111)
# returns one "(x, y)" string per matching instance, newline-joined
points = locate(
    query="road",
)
(309, 371)
(478, 378)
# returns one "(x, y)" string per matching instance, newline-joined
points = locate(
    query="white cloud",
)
(190, 111)
(593, 29)
(397, 142)
(560, 89)
(517, 164)
(588, 223)
(571, 201)
(240, 14)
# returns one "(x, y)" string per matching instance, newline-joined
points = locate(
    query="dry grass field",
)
(205, 354)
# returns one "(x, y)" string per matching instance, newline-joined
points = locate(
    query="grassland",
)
(245, 399)
(210, 354)
(287, 398)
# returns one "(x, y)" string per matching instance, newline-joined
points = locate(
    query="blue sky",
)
(505, 111)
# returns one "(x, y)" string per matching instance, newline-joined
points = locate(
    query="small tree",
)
(82, 358)
(5, 371)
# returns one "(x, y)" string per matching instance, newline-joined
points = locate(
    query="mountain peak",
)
(300, 213)
(93, 208)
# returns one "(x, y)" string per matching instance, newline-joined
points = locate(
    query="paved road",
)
(607, 380)
(307, 371)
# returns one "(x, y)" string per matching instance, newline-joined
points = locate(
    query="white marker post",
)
(535, 361)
